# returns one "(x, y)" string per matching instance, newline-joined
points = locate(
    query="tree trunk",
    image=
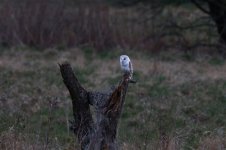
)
(217, 10)
(101, 133)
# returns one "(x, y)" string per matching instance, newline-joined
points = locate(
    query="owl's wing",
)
(130, 67)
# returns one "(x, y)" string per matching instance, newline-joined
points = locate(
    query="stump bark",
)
(98, 134)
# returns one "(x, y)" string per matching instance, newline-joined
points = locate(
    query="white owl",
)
(126, 65)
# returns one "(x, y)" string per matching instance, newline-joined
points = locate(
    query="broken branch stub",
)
(100, 134)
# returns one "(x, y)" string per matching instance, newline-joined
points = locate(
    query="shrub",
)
(47, 23)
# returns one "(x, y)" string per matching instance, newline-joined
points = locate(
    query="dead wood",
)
(101, 133)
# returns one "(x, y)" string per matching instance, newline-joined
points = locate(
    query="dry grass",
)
(212, 143)
(176, 72)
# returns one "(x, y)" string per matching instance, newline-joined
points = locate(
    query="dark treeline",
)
(148, 25)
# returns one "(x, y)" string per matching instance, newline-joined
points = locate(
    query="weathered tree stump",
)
(101, 133)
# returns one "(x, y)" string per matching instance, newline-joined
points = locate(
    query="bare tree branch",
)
(200, 7)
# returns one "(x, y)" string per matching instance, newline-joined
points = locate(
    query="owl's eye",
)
(124, 59)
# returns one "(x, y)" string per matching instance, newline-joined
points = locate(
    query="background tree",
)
(217, 11)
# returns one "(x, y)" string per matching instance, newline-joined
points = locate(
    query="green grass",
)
(216, 61)
(159, 89)
(201, 108)
(88, 51)
(154, 106)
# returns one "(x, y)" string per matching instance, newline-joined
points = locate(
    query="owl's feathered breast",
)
(126, 65)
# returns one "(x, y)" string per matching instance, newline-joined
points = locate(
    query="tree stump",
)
(101, 133)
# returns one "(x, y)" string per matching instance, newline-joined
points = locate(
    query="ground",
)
(178, 101)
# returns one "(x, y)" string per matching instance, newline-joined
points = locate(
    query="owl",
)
(126, 65)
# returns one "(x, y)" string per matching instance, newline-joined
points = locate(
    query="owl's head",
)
(124, 58)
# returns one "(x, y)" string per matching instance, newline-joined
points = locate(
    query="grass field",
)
(179, 101)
